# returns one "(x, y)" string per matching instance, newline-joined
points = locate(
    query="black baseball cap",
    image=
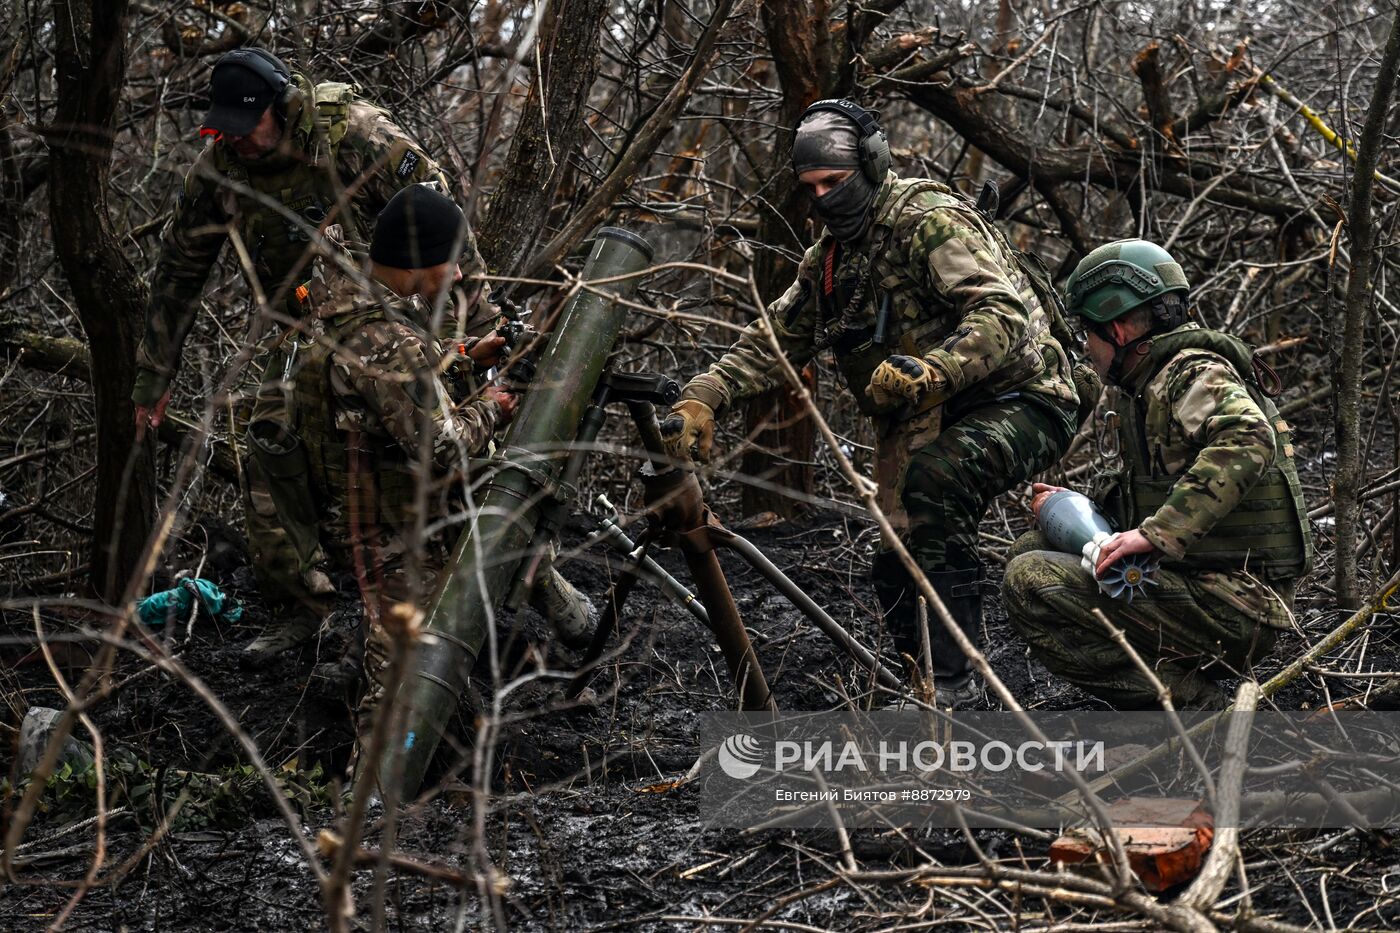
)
(244, 85)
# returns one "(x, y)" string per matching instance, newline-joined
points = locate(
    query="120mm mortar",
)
(489, 555)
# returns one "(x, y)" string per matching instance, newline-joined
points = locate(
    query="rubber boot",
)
(570, 612)
(961, 592)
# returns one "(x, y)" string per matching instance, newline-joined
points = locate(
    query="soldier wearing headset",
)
(288, 159)
(939, 329)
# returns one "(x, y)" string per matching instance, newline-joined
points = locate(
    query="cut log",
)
(1166, 840)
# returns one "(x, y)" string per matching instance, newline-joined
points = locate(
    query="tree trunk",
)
(777, 420)
(1360, 289)
(546, 135)
(644, 140)
(11, 210)
(90, 55)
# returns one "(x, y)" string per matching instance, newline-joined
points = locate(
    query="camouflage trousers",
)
(390, 595)
(950, 482)
(283, 529)
(396, 582)
(1186, 636)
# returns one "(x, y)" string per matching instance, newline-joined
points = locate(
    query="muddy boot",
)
(569, 611)
(277, 639)
(318, 583)
(345, 672)
(894, 591)
(961, 593)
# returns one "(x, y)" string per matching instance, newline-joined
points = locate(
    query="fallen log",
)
(68, 357)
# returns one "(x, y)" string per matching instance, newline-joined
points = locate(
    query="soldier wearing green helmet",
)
(1200, 475)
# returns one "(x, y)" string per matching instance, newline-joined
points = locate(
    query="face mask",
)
(845, 209)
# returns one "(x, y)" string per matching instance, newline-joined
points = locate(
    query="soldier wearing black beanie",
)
(417, 240)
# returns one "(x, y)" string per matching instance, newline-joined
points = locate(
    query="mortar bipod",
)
(679, 517)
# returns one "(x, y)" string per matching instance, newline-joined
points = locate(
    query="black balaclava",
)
(829, 140)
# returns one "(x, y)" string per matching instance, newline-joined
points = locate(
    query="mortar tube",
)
(489, 553)
(834, 630)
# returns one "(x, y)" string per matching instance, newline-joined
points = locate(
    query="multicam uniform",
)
(343, 159)
(954, 294)
(1206, 474)
(378, 424)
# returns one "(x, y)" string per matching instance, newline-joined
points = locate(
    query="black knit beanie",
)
(418, 228)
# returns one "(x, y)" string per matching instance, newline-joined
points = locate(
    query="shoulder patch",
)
(1194, 359)
(952, 262)
(407, 164)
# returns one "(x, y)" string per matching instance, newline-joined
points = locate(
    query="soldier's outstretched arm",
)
(751, 367)
(189, 248)
(967, 268)
(1213, 409)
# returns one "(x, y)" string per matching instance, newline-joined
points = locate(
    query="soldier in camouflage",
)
(386, 447)
(939, 331)
(288, 159)
(1204, 480)
(386, 444)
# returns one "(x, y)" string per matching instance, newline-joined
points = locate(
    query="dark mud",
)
(585, 829)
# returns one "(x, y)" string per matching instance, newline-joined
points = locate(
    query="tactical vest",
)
(851, 303)
(305, 190)
(382, 489)
(1267, 532)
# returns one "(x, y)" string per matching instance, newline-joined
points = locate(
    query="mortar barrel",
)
(489, 554)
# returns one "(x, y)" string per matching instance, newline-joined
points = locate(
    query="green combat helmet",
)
(1117, 277)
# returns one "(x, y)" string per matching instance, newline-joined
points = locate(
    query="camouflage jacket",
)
(1210, 443)
(334, 145)
(953, 294)
(370, 405)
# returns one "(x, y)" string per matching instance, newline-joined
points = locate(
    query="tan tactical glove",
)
(905, 379)
(691, 423)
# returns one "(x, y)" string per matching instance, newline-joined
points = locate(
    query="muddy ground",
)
(585, 830)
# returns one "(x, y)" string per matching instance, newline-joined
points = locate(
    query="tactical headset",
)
(874, 145)
(267, 66)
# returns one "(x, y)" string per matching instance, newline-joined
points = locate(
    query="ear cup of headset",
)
(875, 156)
(281, 78)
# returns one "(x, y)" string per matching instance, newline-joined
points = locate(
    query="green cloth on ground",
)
(158, 607)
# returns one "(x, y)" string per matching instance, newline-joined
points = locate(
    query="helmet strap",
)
(1121, 351)
(1120, 356)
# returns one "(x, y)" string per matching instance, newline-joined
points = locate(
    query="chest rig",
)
(871, 305)
(285, 204)
(1267, 532)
